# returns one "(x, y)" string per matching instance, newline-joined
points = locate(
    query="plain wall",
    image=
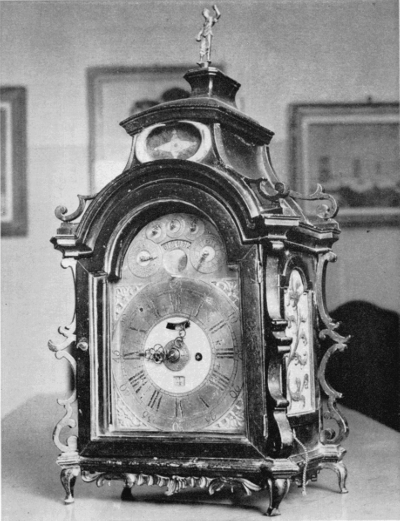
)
(280, 51)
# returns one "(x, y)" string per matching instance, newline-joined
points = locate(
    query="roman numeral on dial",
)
(138, 380)
(216, 327)
(219, 380)
(178, 408)
(155, 400)
(133, 355)
(138, 330)
(226, 352)
(204, 402)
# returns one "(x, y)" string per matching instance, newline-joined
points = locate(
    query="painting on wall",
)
(114, 94)
(352, 150)
(13, 161)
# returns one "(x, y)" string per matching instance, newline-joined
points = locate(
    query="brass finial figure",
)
(205, 35)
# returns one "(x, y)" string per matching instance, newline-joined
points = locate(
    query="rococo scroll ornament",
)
(60, 351)
(340, 343)
(282, 191)
(174, 483)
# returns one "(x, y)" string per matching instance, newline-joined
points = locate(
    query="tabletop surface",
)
(31, 487)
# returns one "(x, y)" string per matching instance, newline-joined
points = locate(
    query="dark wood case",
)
(267, 235)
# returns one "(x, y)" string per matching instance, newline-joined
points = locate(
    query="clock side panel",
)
(254, 349)
(301, 383)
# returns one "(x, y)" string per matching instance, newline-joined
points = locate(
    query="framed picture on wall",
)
(13, 161)
(352, 150)
(115, 93)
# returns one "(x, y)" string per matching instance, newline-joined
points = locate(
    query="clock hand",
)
(202, 259)
(149, 258)
(156, 354)
(159, 354)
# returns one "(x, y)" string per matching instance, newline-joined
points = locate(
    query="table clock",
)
(200, 309)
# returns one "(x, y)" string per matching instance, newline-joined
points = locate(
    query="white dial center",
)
(200, 356)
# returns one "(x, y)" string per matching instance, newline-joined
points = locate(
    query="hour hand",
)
(156, 354)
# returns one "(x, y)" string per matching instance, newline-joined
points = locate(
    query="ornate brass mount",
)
(282, 191)
(329, 435)
(174, 484)
(61, 211)
(60, 351)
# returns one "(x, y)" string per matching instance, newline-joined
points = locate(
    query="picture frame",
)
(352, 150)
(115, 93)
(13, 161)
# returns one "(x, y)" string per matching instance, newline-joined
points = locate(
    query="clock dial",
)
(175, 226)
(207, 254)
(145, 259)
(156, 231)
(178, 355)
(194, 228)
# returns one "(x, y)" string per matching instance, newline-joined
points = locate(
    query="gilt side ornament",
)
(205, 35)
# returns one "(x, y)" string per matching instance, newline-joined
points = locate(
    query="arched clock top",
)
(160, 187)
(164, 212)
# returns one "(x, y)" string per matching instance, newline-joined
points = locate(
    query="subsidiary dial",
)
(145, 259)
(156, 231)
(207, 254)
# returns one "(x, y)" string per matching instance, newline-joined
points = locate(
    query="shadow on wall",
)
(367, 373)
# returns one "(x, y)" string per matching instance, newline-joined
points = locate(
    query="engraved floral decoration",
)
(123, 295)
(230, 287)
(298, 361)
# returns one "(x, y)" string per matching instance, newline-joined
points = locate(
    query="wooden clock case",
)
(267, 236)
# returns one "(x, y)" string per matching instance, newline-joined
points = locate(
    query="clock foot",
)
(341, 472)
(126, 494)
(277, 489)
(68, 479)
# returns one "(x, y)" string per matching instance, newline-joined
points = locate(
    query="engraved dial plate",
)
(203, 382)
(176, 359)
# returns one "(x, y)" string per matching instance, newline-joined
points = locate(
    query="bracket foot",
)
(277, 488)
(68, 478)
(126, 494)
(341, 472)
